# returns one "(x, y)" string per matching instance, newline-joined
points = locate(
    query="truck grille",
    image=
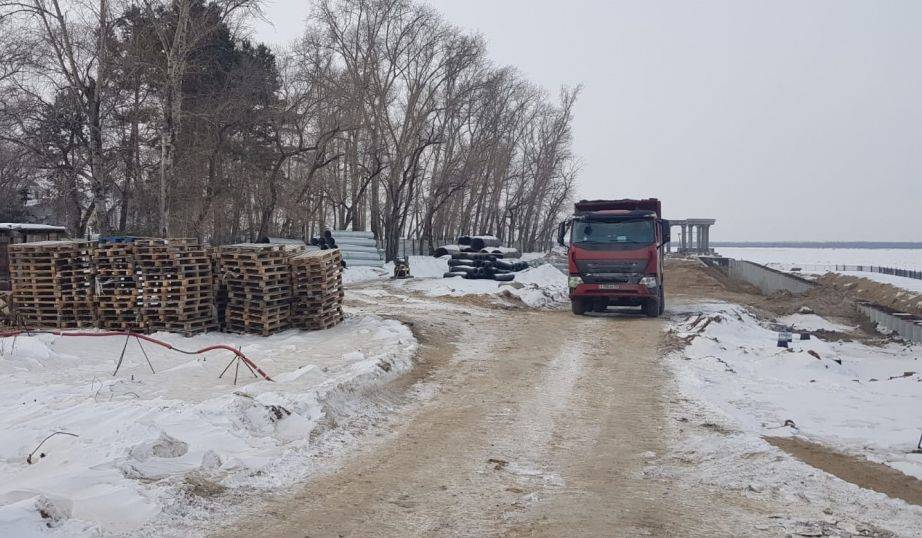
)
(621, 272)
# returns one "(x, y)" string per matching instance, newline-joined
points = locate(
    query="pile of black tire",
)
(325, 241)
(484, 244)
(481, 257)
(478, 266)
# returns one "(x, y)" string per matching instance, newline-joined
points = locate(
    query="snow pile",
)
(541, 287)
(354, 275)
(531, 256)
(860, 399)
(145, 437)
(538, 287)
(420, 267)
(909, 284)
(428, 267)
(812, 322)
(453, 287)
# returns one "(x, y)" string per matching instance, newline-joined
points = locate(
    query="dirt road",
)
(540, 423)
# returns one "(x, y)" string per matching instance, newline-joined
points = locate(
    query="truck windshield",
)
(625, 232)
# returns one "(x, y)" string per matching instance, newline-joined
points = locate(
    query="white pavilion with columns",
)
(694, 235)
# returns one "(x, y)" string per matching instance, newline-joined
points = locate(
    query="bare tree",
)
(160, 117)
(181, 27)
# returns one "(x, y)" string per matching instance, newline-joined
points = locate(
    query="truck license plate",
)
(614, 286)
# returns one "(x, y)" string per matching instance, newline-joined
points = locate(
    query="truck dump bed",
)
(589, 206)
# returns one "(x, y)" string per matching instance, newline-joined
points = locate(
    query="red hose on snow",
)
(161, 343)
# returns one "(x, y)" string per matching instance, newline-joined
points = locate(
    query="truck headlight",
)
(575, 281)
(649, 281)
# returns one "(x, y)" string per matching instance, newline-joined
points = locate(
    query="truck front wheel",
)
(652, 308)
(579, 306)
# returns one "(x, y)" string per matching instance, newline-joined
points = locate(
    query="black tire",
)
(651, 308)
(662, 300)
(579, 306)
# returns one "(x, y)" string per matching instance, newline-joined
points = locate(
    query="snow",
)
(812, 322)
(784, 258)
(428, 267)
(740, 463)
(537, 287)
(354, 275)
(142, 436)
(908, 284)
(543, 286)
(420, 267)
(817, 261)
(530, 256)
(854, 397)
(30, 227)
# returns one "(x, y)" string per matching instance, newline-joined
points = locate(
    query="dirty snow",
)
(420, 267)
(862, 400)
(908, 284)
(812, 322)
(144, 436)
(810, 502)
(537, 287)
(354, 275)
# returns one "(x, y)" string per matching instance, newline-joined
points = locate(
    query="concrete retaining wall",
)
(766, 279)
(908, 326)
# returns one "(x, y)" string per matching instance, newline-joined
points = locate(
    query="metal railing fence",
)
(895, 271)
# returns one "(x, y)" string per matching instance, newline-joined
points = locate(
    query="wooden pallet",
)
(177, 286)
(52, 284)
(118, 289)
(317, 289)
(255, 296)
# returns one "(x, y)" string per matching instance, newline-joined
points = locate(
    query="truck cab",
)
(615, 255)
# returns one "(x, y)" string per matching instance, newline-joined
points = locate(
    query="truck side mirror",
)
(561, 233)
(667, 230)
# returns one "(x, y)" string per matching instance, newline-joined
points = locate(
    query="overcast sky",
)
(784, 120)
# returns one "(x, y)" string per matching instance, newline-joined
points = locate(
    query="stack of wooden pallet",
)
(118, 297)
(52, 284)
(258, 287)
(317, 286)
(177, 290)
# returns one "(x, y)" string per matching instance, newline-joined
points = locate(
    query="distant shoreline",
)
(819, 244)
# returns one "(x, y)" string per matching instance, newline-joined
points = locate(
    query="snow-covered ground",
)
(538, 287)
(801, 257)
(908, 284)
(859, 399)
(354, 275)
(543, 286)
(813, 262)
(420, 267)
(812, 322)
(145, 438)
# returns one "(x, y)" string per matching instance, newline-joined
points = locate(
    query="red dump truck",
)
(615, 255)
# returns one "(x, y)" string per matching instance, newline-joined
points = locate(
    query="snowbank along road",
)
(527, 422)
